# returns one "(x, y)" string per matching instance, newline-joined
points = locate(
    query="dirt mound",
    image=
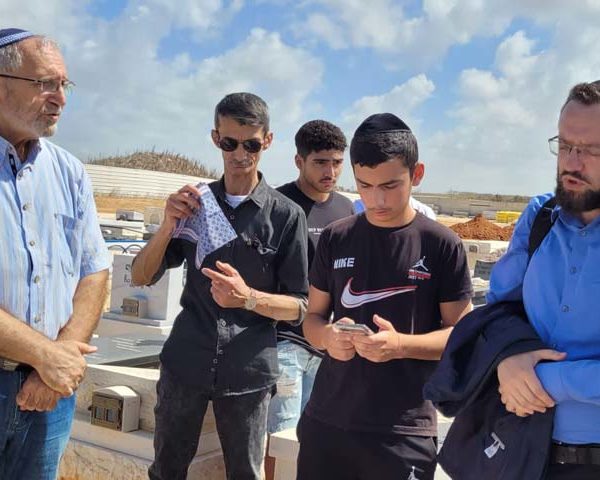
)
(479, 228)
(159, 162)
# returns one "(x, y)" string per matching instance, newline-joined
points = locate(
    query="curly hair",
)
(318, 135)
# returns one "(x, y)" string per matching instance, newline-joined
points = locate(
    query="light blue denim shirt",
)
(560, 290)
(49, 234)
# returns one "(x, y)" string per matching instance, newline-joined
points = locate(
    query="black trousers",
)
(329, 453)
(241, 424)
(572, 472)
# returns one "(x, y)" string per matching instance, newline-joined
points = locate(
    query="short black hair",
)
(318, 135)
(382, 137)
(587, 93)
(245, 108)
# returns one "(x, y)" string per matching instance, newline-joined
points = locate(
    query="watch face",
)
(250, 303)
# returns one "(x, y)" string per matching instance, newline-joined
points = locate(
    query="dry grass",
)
(159, 162)
(156, 161)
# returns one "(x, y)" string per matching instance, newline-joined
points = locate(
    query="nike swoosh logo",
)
(351, 299)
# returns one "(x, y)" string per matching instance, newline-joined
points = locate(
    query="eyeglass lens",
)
(229, 144)
(55, 84)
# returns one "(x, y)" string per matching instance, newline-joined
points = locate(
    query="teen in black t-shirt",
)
(318, 216)
(406, 278)
(320, 147)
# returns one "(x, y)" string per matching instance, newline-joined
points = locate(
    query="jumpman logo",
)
(492, 450)
(412, 475)
(421, 264)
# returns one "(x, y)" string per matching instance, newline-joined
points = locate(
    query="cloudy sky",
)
(480, 82)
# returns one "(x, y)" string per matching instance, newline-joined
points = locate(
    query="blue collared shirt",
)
(49, 234)
(560, 290)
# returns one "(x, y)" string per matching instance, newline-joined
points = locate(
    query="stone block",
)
(141, 380)
(83, 461)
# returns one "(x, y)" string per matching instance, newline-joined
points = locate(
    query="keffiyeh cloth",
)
(208, 227)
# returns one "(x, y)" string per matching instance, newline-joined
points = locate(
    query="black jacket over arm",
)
(485, 441)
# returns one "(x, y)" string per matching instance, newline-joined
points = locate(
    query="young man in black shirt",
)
(320, 147)
(223, 343)
(403, 276)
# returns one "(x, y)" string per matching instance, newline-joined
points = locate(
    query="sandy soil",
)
(110, 204)
(107, 205)
(448, 220)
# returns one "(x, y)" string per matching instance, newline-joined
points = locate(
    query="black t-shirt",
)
(318, 216)
(401, 274)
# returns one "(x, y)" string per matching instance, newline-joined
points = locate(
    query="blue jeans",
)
(298, 368)
(31, 443)
(241, 424)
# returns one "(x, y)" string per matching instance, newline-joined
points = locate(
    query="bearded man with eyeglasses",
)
(53, 261)
(223, 345)
(559, 287)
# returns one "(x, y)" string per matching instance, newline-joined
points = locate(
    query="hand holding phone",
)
(356, 328)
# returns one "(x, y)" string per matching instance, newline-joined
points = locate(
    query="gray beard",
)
(49, 131)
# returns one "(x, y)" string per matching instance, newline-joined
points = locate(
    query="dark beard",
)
(576, 202)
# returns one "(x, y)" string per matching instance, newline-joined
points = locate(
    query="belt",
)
(564, 453)
(11, 366)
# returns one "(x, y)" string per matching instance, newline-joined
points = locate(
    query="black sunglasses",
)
(228, 144)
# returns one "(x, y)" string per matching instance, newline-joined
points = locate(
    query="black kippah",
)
(381, 123)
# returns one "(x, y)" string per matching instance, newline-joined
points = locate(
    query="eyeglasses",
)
(560, 147)
(52, 85)
(228, 144)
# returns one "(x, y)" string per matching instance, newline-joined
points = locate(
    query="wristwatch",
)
(250, 301)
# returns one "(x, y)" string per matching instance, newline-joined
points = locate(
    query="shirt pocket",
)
(257, 265)
(68, 241)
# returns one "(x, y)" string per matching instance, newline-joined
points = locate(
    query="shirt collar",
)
(555, 213)
(571, 221)
(258, 195)
(6, 147)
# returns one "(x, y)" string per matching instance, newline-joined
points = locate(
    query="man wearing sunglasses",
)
(53, 261)
(560, 286)
(223, 345)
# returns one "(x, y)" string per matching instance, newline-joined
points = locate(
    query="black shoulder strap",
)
(541, 225)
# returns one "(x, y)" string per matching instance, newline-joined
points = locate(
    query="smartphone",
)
(360, 328)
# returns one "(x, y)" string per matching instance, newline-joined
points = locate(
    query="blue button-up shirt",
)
(49, 234)
(560, 290)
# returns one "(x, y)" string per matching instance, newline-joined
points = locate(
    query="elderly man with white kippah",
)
(53, 261)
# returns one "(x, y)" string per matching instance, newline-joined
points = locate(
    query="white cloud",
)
(422, 39)
(202, 17)
(400, 100)
(491, 135)
(153, 106)
(513, 57)
(128, 99)
(505, 115)
(323, 27)
(378, 24)
(58, 18)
